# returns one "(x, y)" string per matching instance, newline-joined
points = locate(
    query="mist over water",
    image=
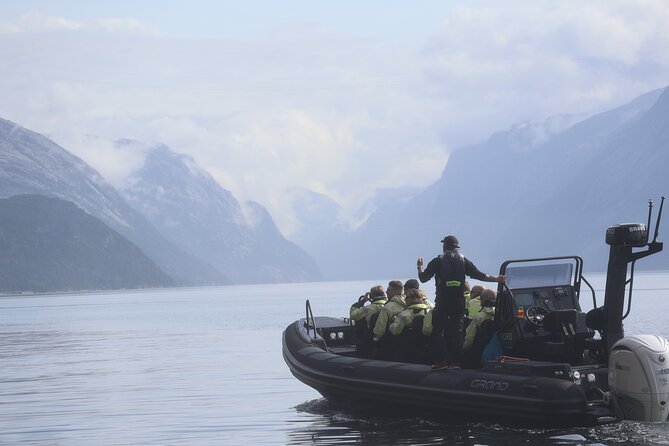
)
(204, 366)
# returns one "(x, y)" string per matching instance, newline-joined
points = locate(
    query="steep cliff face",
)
(48, 244)
(195, 213)
(32, 164)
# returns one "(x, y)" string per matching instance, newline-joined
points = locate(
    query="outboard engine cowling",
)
(630, 234)
(639, 378)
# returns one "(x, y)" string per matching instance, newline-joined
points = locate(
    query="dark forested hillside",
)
(31, 163)
(48, 244)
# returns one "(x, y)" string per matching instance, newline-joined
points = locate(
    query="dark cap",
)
(450, 241)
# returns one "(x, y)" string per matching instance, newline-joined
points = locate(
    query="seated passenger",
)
(395, 304)
(377, 296)
(392, 308)
(471, 351)
(427, 324)
(414, 307)
(364, 316)
(467, 321)
(473, 302)
(414, 284)
(406, 329)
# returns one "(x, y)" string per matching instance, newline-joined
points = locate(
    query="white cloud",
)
(540, 58)
(35, 21)
(126, 24)
(341, 115)
(114, 162)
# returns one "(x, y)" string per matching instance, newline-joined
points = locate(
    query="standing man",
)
(449, 271)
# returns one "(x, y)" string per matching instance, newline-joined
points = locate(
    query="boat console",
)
(538, 310)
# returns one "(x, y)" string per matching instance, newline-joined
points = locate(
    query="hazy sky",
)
(337, 97)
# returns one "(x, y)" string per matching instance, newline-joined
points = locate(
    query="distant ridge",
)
(195, 213)
(179, 216)
(512, 197)
(33, 164)
(535, 190)
(48, 244)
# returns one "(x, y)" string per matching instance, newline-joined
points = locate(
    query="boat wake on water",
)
(339, 425)
(338, 413)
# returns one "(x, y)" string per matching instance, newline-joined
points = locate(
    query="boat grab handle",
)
(310, 322)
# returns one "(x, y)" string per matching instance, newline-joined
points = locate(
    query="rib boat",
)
(556, 365)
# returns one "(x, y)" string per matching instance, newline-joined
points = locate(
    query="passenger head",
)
(395, 288)
(476, 291)
(450, 243)
(376, 292)
(488, 297)
(411, 284)
(413, 296)
(596, 319)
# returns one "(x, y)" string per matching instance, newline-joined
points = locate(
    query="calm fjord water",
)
(203, 366)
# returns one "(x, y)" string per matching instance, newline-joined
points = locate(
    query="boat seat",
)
(344, 351)
(416, 327)
(411, 345)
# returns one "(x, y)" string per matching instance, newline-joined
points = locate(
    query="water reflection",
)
(331, 424)
(191, 367)
(328, 424)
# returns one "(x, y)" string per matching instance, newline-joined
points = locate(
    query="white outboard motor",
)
(639, 378)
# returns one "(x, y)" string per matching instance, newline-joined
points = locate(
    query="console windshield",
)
(544, 275)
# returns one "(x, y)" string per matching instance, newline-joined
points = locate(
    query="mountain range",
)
(527, 192)
(536, 190)
(31, 163)
(194, 212)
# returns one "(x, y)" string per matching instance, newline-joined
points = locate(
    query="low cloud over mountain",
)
(204, 235)
(519, 196)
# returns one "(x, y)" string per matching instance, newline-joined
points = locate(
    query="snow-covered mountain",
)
(535, 190)
(32, 164)
(195, 213)
(528, 192)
